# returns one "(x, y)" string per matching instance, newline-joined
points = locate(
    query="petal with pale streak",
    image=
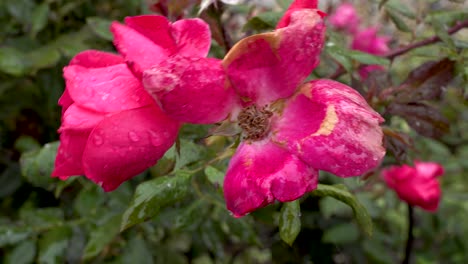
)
(330, 127)
(270, 66)
(139, 51)
(192, 90)
(297, 4)
(108, 89)
(69, 154)
(125, 144)
(192, 37)
(79, 118)
(260, 172)
(96, 59)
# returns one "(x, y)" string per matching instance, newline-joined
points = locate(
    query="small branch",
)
(391, 55)
(409, 241)
(400, 51)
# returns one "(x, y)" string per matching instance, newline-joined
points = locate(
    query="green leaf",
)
(152, 195)
(189, 152)
(39, 18)
(341, 234)
(399, 22)
(36, 217)
(264, 21)
(137, 251)
(53, 245)
(366, 58)
(290, 221)
(214, 175)
(101, 236)
(101, 27)
(10, 235)
(400, 7)
(284, 3)
(23, 253)
(9, 180)
(339, 55)
(360, 212)
(37, 165)
(12, 61)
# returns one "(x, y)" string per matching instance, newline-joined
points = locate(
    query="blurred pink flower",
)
(346, 18)
(368, 41)
(291, 129)
(416, 185)
(111, 128)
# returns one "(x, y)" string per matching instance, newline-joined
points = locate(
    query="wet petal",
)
(260, 172)
(297, 4)
(331, 127)
(192, 37)
(96, 59)
(70, 151)
(139, 51)
(192, 90)
(269, 66)
(429, 170)
(108, 89)
(79, 118)
(155, 28)
(125, 144)
(65, 101)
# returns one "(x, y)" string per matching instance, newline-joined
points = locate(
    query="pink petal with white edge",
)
(108, 89)
(155, 28)
(126, 143)
(96, 59)
(191, 90)
(70, 152)
(79, 118)
(330, 127)
(140, 52)
(192, 37)
(260, 172)
(270, 66)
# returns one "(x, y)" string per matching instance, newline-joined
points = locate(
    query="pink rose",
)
(291, 128)
(368, 41)
(416, 185)
(345, 18)
(112, 129)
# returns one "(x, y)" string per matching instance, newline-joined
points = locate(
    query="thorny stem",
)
(409, 241)
(400, 51)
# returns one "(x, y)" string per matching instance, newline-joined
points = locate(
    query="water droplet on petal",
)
(155, 138)
(133, 136)
(104, 96)
(98, 140)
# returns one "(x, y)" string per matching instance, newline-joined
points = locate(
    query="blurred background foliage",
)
(174, 212)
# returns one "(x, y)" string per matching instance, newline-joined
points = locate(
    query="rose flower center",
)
(254, 122)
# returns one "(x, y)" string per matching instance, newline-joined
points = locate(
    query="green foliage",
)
(175, 211)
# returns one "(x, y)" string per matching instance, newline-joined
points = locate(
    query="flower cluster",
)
(291, 128)
(366, 39)
(416, 185)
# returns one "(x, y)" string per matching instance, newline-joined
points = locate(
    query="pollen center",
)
(254, 122)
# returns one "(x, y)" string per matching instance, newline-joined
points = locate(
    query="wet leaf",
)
(101, 27)
(340, 193)
(263, 21)
(152, 195)
(39, 18)
(37, 165)
(101, 236)
(366, 58)
(10, 235)
(214, 175)
(53, 245)
(339, 55)
(12, 61)
(290, 221)
(399, 22)
(23, 253)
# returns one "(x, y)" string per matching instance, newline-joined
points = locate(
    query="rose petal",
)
(139, 51)
(70, 151)
(155, 28)
(346, 17)
(330, 127)
(269, 66)
(260, 172)
(429, 170)
(125, 144)
(192, 37)
(108, 89)
(96, 59)
(368, 41)
(192, 90)
(297, 4)
(79, 118)
(65, 101)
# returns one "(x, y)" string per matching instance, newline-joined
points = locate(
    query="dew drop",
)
(155, 138)
(98, 140)
(104, 96)
(133, 136)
